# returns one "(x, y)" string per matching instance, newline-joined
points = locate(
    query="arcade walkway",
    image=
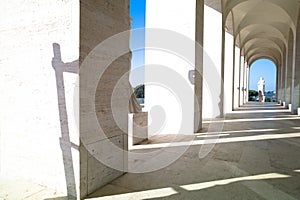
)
(256, 157)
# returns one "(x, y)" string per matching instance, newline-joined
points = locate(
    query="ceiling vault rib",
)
(260, 27)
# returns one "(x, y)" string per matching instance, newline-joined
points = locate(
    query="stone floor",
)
(256, 155)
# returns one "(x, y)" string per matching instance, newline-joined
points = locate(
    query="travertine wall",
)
(39, 106)
(39, 140)
(99, 20)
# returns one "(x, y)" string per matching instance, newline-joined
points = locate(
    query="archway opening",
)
(137, 43)
(262, 81)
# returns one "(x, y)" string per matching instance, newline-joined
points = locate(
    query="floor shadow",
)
(260, 106)
(249, 189)
(60, 67)
(250, 169)
(58, 198)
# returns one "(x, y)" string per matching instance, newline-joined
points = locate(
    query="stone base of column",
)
(298, 113)
(137, 128)
(280, 102)
(284, 104)
(290, 107)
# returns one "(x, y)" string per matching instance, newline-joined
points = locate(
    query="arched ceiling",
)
(261, 27)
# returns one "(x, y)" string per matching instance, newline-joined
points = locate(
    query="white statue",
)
(261, 89)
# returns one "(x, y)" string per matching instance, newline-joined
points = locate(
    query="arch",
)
(262, 56)
(258, 42)
(267, 68)
(265, 30)
(277, 42)
(287, 7)
(277, 38)
(263, 51)
(263, 25)
(267, 46)
(229, 24)
(280, 25)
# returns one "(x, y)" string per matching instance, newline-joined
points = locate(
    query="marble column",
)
(103, 137)
(236, 76)
(233, 75)
(289, 69)
(241, 62)
(283, 71)
(198, 66)
(278, 82)
(296, 73)
(247, 85)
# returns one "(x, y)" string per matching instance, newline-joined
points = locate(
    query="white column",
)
(247, 85)
(236, 76)
(198, 84)
(233, 75)
(284, 75)
(244, 82)
(296, 73)
(228, 75)
(212, 45)
(289, 69)
(279, 83)
(166, 107)
(241, 92)
(296, 88)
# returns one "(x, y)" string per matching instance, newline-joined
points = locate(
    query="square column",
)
(170, 59)
(296, 74)
(289, 70)
(198, 79)
(241, 84)
(236, 77)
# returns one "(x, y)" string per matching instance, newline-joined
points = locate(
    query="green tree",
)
(252, 95)
(139, 91)
(268, 99)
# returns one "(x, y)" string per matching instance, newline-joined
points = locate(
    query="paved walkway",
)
(256, 155)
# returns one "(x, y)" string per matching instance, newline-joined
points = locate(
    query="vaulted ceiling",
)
(262, 28)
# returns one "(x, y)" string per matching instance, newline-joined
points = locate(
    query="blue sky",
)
(137, 13)
(263, 68)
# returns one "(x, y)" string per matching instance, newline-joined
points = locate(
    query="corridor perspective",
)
(256, 157)
(73, 126)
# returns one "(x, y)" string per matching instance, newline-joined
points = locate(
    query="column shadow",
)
(65, 143)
